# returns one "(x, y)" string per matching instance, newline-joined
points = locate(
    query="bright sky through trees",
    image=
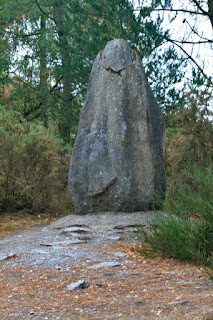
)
(193, 33)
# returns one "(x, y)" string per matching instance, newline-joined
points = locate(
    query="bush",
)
(189, 192)
(186, 233)
(189, 157)
(33, 167)
(181, 237)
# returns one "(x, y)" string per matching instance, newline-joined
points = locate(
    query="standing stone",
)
(118, 158)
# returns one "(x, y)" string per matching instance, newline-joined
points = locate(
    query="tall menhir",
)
(118, 158)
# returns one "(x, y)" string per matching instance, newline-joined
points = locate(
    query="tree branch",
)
(188, 55)
(17, 78)
(210, 5)
(195, 31)
(200, 8)
(27, 113)
(176, 10)
(193, 42)
(46, 14)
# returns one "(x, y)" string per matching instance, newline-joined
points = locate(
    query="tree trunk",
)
(64, 121)
(210, 5)
(43, 70)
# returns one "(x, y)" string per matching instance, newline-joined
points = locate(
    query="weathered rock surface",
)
(117, 162)
(106, 220)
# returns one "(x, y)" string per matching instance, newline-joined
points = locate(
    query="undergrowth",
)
(33, 167)
(186, 232)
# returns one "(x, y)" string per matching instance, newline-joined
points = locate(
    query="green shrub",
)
(179, 237)
(189, 157)
(190, 192)
(186, 233)
(33, 167)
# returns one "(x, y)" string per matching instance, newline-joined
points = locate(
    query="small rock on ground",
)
(82, 284)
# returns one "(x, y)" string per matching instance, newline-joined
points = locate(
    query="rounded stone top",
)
(117, 55)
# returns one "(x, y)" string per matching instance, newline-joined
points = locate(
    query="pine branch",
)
(37, 107)
(188, 55)
(176, 10)
(22, 35)
(40, 8)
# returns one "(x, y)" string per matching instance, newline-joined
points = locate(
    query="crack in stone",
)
(104, 189)
(115, 72)
(124, 68)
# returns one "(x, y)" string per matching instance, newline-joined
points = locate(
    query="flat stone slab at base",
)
(107, 220)
(77, 230)
(105, 265)
(61, 243)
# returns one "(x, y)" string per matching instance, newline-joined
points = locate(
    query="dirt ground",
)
(140, 288)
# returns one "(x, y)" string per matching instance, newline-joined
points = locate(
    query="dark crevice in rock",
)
(115, 72)
(104, 189)
(124, 68)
